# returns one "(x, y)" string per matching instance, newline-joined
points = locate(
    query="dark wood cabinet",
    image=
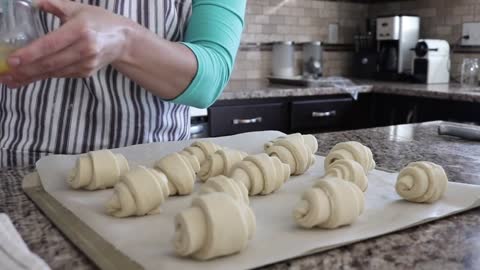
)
(321, 114)
(363, 114)
(316, 114)
(250, 116)
(450, 110)
(396, 109)
(293, 114)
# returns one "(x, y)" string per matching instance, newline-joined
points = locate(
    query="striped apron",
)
(106, 110)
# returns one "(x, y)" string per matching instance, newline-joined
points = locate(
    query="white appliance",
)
(431, 64)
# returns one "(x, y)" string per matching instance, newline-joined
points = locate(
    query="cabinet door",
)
(363, 113)
(321, 115)
(395, 109)
(233, 119)
(449, 110)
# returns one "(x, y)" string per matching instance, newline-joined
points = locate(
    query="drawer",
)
(321, 115)
(233, 119)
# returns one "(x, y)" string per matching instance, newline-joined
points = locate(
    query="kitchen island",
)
(451, 243)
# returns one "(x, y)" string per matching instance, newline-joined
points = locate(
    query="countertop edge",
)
(455, 92)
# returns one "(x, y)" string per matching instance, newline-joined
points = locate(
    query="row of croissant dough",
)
(220, 221)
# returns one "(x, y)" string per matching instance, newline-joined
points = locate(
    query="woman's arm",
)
(195, 72)
(192, 73)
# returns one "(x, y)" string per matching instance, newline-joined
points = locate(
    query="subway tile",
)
(444, 30)
(463, 10)
(299, 20)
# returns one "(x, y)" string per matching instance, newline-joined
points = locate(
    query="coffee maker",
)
(432, 61)
(396, 36)
(365, 55)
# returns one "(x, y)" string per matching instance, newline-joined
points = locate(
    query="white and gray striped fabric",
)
(107, 110)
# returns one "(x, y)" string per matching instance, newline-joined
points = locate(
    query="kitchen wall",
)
(440, 19)
(304, 20)
(298, 20)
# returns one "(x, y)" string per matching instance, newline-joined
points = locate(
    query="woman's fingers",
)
(80, 59)
(60, 8)
(82, 69)
(50, 64)
(89, 39)
(45, 46)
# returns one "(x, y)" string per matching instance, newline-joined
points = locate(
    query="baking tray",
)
(101, 252)
(113, 256)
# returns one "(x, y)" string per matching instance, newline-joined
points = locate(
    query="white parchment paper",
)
(148, 240)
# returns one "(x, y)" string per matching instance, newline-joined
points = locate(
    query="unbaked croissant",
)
(329, 204)
(220, 163)
(180, 172)
(215, 225)
(98, 170)
(422, 182)
(141, 191)
(350, 170)
(261, 174)
(351, 150)
(201, 150)
(296, 150)
(225, 184)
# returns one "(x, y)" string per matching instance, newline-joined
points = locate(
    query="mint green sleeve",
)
(213, 34)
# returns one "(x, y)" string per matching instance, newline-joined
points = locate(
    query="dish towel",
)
(14, 253)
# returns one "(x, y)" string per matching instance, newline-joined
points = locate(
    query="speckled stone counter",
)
(451, 243)
(250, 89)
(452, 91)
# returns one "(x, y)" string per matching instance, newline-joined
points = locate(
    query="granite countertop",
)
(450, 243)
(249, 89)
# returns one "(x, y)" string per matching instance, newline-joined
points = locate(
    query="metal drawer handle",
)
(247, 121)
(196, 129)
(324, 114)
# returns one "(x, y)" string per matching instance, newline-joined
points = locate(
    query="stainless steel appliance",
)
(396, 35)
(312, 59)
(283, 59)
(432, 61)
(199, 123)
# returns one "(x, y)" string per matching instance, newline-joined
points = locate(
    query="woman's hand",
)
(89, 39)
